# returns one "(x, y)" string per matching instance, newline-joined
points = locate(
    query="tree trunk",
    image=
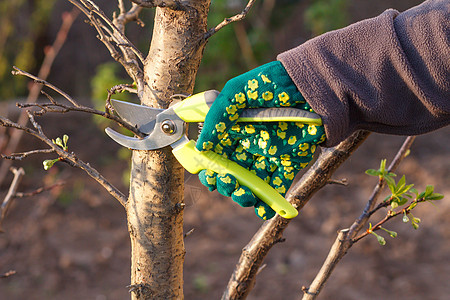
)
(155, 206)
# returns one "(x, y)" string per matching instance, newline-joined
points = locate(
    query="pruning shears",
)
(166, 127)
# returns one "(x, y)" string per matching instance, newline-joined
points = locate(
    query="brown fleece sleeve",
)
(389, 74)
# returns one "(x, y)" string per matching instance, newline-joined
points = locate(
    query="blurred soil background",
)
(72, 242)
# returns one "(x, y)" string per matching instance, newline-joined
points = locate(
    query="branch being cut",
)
(54, 106)
(270, 233)
(240, 16)
(65, 156)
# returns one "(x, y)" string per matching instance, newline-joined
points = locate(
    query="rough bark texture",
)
(155, 206)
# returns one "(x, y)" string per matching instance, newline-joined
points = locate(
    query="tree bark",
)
(155, 205)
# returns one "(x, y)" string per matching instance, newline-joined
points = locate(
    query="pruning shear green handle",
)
(167, 127)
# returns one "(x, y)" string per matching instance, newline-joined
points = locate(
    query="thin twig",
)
(115, 90)
(112, 34)
(226, 21)
(18, 175)
(252, 257)
(66, 156)
(62, 108)
(44, 71)
(119, 37)
(345, 238)
(39, 190)
(363, 218)
(7, 274)
(38, 80)
(342, 181)
(22, 155)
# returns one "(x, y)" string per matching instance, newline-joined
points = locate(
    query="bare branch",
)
(342, 181)
(7, 274)
(71, 158)
(337, 251)
(50, 107)
(22, 155)
(62, 108)
(127, 16)
(244, 275)
(44, 71)
(127, 55)
(229, 20)
(345, 238)
(18, 175)
(18, 71)
(38, 191)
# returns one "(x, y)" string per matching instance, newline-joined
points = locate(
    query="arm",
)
(389, 74)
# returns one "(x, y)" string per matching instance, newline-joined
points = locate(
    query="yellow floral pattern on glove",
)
(274, 151)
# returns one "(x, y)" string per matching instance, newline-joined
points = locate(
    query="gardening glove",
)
(274, 151)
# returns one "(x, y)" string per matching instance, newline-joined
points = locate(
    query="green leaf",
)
(401, 183)
(429, 190)
(406, 189)
(390, 182)
(383, 165)
(434, 196)
(402, 201)
(414, 204)
(373, 172)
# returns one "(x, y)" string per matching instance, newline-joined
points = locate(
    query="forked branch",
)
(270, 233)
(112, 34)
(65, 156)
(346, 237)
(55, 106)
(240, 16)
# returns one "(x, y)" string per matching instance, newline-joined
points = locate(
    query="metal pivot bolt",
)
(168, 127)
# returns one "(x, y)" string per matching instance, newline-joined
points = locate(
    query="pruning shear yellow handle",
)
(194, 161)
(166, 127)
(195, 108)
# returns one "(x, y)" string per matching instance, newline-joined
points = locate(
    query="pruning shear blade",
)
(167, 127)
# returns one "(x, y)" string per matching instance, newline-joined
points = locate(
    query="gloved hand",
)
(275, 151)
